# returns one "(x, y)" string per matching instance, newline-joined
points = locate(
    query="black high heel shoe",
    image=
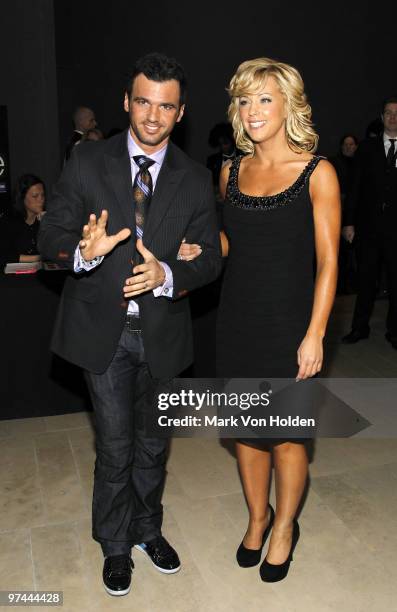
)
(274, 573)
(248, 557)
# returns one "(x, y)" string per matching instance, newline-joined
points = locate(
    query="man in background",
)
(371, 220)
(83, 120)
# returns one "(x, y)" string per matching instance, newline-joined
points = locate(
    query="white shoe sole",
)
(159, 569)
(117, 593)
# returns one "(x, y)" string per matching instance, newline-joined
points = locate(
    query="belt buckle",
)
(133, 323)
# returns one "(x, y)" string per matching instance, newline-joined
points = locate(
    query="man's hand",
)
(95, 242)
(348, 233)
(148, 275)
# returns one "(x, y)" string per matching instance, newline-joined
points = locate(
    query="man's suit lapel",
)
(118, 166)
(380, 152)
(167, 184)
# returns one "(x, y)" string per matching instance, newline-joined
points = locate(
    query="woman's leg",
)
(291, 468)
(254, 465)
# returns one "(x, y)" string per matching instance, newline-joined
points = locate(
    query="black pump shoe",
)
(249, 557)
(274, 573)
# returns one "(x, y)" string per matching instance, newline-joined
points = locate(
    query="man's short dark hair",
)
(386, 101)
(158, 67)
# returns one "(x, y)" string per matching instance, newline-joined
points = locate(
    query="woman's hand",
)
(310, 357)
(188, 252)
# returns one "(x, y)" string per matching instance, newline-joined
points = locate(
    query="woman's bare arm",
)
(223, 179)
(325, 196)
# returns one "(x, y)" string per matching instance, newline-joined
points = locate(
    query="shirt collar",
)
(386, 137)
(134, 149)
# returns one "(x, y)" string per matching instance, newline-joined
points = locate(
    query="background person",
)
(83, 120)
(343, 163)
(19, 230)
(371, 220)
(93, 134)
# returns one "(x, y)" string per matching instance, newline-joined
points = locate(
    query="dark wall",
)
(345, 51)
(28, 87)
(342, 49)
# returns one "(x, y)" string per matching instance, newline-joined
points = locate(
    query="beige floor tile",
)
(235, 508)
(365, 500)
(82, 442)
(57, 558)
(340, 572)
(333, 455)
(173, 490)
(5, 431)
(18, 458)
(68, 421)
(87, 486)
(199, 466)
(63, 495)
(16, 568)
(21, 503)
(24, 427)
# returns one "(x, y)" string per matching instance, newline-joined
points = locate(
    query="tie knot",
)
(143, 162)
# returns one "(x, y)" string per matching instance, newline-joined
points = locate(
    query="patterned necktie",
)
(391, 154)
(142, 190)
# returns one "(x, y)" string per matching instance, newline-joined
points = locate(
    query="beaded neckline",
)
(242, 200)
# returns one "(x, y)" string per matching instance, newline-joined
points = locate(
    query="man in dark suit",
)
(84, 120)
(221, 138)
(130, 328)
(371, 219)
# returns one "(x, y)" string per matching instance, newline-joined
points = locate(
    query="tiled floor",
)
(346, 558)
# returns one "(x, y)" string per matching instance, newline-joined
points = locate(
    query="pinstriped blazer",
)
(92, 308)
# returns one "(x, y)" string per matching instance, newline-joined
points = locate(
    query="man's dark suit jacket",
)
(371, 202)
(76, 137)
(92, 309)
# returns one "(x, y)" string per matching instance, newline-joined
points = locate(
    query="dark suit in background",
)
(90, 327)
(76, 137)
(371, 206)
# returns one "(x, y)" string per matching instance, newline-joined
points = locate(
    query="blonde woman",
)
(281, 213)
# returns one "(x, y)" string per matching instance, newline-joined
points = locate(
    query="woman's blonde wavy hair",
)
(249, 78)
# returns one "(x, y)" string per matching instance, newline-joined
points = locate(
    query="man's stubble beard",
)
(151, 142)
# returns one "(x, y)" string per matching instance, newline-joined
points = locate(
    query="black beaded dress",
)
(267, 294)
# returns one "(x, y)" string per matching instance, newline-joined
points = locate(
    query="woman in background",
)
(18, 231)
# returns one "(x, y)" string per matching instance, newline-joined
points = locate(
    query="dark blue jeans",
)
(129, 466)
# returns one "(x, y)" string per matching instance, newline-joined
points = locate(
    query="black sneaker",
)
(161, 554)
(117, 571)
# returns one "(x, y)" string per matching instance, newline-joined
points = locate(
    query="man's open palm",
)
(95, 241)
